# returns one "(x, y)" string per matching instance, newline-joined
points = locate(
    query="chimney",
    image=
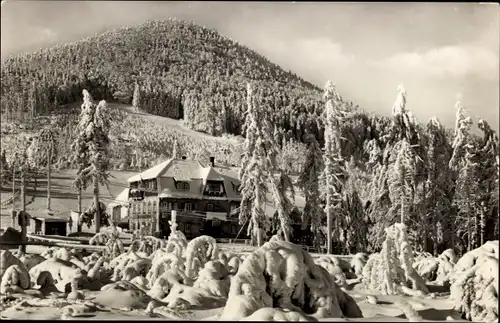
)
(184, 157)
(212, 161)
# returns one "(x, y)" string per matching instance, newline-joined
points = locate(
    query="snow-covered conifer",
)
(334, 169)
(92, 147)
(309, 183)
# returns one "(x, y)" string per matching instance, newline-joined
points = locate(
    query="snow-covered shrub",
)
(147, 244)
(391, 270)
(358, 262)
(474, 284)
(14, 276)
(282, 275)
(161, 263)
(332, 265)
(129, 265)
(435, 269)
(31, 260)
(13, 273)
(214, 277)
(110, 239)
(62, 272)
(198, 252)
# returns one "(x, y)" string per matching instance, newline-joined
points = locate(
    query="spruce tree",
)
(488, 151)
(439, 184)
(92, 140)
(309, 183)
(252, 174)
(334, 169)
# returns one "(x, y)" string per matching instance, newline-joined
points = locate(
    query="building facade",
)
(206, 199)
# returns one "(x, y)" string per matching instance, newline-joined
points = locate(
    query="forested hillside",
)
(444, 181)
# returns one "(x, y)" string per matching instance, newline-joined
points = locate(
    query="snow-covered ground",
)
(200, 280)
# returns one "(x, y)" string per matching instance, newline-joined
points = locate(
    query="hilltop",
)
(182, 71)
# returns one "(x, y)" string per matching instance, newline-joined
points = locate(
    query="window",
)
(154, 207)
(155, 184)
(210, 207)
(214, 187)
(183, 186)
(189, 206)
(165, 207)
(188, 228)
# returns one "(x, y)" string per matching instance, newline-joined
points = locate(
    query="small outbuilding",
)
(49, 224)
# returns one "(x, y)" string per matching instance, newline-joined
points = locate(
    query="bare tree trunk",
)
(13, 188)
(23, 192)
(425, 223)
(97, 217)
(482, 224)
(23, 208)
(328, 229)
(469, 231)
(49, 159)
(79, 224)
(402, 210)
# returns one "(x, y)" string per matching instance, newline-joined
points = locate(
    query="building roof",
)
(151, 173)
(184, 170)
(47, 217)
(121, 199)
(187, 170)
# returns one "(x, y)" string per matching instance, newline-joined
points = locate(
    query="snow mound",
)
(61, 273)
(282, 275)
(278, 315)
(122, 295)
(474, 287)
(390, 272)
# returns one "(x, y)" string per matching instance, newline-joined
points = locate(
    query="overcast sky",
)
(440, 51)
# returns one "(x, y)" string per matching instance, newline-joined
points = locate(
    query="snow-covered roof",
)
(121, 199)
(184, 170)
(211, 174)
(151, 173)
(188, 170)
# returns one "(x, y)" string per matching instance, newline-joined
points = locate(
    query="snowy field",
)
(176, 280)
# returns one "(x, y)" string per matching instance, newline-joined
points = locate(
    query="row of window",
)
(151, 184)
(149, 207)
(144, 207)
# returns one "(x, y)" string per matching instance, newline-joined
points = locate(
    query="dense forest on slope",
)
(179, 70)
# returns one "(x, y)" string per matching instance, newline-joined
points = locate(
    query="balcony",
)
(214, 193)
